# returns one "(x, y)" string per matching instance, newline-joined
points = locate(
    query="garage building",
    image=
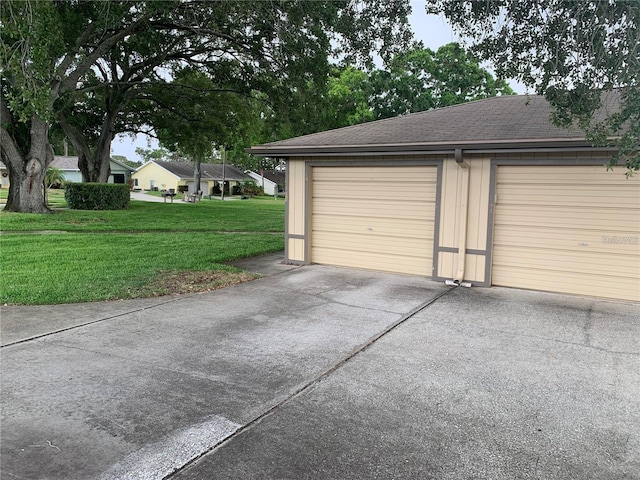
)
(488, 192)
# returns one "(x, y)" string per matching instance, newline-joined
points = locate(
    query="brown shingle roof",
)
(208, 171)
(511, 119)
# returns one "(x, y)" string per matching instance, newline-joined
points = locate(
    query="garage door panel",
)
(418, 174)
(592, 241)
(414, 247)
(599, 196)
(560, 262)
(374, 208)
(617, 219)
(557, 174)
(377, 191)
(376, 261)
(374, 217)
(570, 283)
(570, 229)
(398, 227)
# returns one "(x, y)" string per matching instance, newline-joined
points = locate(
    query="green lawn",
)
(149, 249)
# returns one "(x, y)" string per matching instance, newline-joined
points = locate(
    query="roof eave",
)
(414, 148)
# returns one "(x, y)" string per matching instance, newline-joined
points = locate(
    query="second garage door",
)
(570, 229)
(374, 217)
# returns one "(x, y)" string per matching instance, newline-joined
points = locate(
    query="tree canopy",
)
(421, 79)
(58, 55)
(570, 52)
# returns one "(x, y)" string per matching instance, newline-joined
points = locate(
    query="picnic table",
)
(168, 193)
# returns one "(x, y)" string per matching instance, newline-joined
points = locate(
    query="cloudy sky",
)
(434, 32)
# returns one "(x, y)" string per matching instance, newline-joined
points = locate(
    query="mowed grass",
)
(127, 254)
(253, 215)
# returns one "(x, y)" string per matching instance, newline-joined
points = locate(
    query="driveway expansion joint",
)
(330, 300)
(92, 322)
(312, 383)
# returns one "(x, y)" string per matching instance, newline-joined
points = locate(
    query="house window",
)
(135, 182)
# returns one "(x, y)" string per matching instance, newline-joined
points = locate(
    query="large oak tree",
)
(54, 53)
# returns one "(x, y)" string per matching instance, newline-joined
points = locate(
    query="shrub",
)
(249, 187)
(97, 196)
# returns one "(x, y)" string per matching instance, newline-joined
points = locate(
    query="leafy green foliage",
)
(91, 66)
(54, 176)
(416, 80)
(421, 79)
(570, 52)
(251, 188)
(97, 196)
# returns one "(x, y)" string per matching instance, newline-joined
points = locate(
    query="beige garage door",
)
(380, 218)
(567, 229)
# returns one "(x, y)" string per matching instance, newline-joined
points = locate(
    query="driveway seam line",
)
(562, 342)
(73, 327)
(344, 304)
(313, 382)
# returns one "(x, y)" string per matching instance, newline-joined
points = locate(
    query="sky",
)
(434, 31)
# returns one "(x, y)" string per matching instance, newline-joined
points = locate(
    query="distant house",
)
(272, 182)
(159, 175)
(120, 173)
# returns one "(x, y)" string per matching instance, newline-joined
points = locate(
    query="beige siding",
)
(295, 199)
(570, 229)
(477, 219)
(376, 217)
(295, 249)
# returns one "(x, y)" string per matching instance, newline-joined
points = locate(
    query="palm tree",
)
(54, 176)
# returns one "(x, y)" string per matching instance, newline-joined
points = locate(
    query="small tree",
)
(249, 187)
(54, 177)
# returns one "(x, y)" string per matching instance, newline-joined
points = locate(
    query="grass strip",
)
(252, 215)
(69, 268)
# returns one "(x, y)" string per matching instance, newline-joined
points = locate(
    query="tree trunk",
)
(95, 166)
(196, 174)
(102, 159)
(27, 172)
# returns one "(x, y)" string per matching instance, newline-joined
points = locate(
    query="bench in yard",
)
(168, 193)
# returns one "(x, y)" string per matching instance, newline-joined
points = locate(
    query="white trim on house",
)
(270, 187)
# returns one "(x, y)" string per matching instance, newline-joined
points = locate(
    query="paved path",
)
(150, 198)
(323, 373)
(177, 199)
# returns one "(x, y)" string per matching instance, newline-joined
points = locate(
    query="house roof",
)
(276, 177)
(65, 163)
(208, 171)
(496, 122)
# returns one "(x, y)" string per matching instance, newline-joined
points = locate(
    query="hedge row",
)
(97, 196)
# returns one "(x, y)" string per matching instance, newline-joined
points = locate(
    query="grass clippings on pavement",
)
(179, 283)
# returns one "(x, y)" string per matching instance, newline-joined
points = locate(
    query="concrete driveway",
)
(320, 372)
